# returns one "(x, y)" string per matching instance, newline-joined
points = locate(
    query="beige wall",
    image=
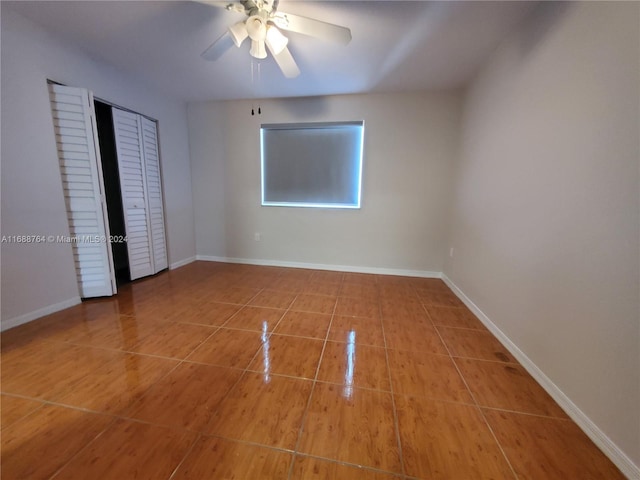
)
(36, 278)
(545, 222)
(410, 142)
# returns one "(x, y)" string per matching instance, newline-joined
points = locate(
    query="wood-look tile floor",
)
(233, 371)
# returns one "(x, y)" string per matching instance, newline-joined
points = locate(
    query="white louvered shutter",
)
(81, 171)
(154, 194)
(129, 146)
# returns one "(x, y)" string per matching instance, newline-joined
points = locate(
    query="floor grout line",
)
(349, 464)
(85, 447)
(313, 387)
(393, 396)
(186, 455)
(478, 407)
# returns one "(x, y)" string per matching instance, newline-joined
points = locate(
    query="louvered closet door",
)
(154, 194)
(81, 171)
(131, 166)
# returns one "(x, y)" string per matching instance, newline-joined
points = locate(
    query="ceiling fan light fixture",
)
(276, 40)
(258, 49)
(256, 28)
(238, 33)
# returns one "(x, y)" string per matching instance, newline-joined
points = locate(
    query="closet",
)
(135, 203)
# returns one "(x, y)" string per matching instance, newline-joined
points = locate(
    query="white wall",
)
(410, 142)
(545, 221)
(36, 278)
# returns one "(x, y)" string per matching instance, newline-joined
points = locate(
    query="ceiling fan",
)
(262, 26)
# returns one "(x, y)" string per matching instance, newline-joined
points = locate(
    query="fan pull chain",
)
(255, 85)
(259, 83)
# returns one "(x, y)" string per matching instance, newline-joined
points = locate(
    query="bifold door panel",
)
(140, 183)
(81, 172)
(154, 195)
(128, 133)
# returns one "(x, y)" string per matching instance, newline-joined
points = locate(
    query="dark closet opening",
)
(107, 141)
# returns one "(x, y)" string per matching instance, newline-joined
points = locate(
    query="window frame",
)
(306, 126)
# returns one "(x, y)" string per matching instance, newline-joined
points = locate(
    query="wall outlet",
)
(451, 252)
(257, 236)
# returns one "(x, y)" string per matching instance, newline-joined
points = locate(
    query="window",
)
(312, 164)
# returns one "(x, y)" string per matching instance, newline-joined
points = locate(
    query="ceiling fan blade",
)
(314, 28)
(218, 48)
(285, 61)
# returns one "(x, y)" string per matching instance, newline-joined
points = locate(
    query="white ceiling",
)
(396, 46)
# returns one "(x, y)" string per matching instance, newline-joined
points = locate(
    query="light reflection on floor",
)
(265, 352)
(351, 361)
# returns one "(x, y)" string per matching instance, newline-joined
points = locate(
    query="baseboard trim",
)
(608, 447)
(322, 266)
(182, 263)
(28, 317)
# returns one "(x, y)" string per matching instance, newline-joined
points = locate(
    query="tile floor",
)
(233, 371)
